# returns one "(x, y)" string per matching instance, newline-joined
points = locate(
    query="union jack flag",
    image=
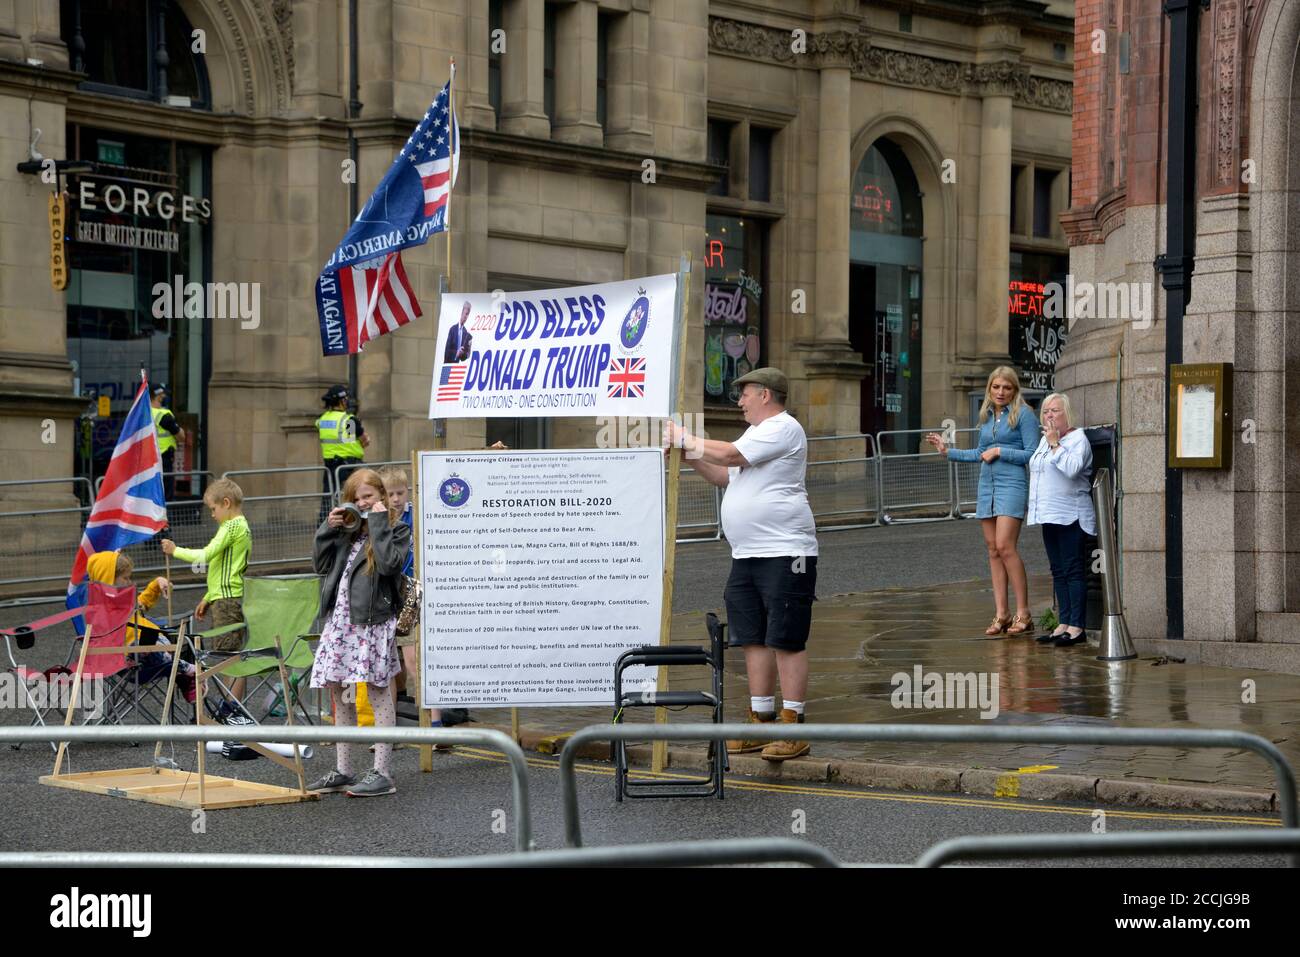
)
(451, 381)
(627, 379)
(130, 506)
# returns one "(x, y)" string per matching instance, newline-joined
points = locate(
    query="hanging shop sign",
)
(58, 251)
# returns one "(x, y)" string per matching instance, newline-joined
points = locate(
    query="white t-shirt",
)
(765, 511)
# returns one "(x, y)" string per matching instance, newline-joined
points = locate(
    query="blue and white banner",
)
(603, 350)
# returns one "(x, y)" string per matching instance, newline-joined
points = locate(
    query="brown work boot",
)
(743, 747)
(783, 750)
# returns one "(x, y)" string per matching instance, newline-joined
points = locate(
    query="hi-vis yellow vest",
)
(337, 441)
(166, 441)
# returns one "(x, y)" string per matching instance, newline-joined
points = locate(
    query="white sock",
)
(762, 705)
(795, 706)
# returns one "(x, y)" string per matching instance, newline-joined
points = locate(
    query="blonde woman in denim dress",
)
(1009, 433)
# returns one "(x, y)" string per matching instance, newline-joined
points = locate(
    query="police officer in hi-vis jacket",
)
(343, 441)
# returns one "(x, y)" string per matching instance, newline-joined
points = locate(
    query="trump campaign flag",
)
(130, 506)
(363, 291)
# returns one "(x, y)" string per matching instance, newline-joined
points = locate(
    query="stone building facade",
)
(857, 185)
(1241, 525)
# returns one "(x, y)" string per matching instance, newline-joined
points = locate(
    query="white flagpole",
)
(451, 161)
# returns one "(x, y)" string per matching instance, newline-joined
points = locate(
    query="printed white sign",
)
(539, 569)
(603, 350)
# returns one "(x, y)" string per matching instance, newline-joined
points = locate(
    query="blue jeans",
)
(1064, 545)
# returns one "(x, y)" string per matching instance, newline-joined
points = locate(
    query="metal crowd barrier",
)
(953, 734)
(912, 480)
(699, 506)
(844, 486)
(38, 545)
(1148, 844)
(965, 476)
(337, 473)
(782, 850)
(284, 507)
(300, 734)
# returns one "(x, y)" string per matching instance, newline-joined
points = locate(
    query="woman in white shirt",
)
(1060, 500)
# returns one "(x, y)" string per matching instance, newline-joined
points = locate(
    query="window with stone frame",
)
(735, 276)
(136, 48)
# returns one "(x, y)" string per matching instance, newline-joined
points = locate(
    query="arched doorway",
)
(885, 253)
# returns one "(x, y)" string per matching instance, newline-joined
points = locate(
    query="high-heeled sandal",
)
(997, 627)
(1021, 625)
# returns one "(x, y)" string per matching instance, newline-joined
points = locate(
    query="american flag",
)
(627, 379)
(130, 506)
(411, 203)
(434, 151)
(451, 381)
(377, 301)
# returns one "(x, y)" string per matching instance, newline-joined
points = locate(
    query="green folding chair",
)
(282, 608)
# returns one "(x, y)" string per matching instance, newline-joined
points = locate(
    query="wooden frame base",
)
(177, 788)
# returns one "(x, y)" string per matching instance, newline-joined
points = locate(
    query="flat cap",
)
(768, 378)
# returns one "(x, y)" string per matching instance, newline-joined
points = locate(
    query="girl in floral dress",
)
(360, 598)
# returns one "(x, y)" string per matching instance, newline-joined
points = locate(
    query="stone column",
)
(575, 75)
(320, 74)
(38, 407)
(833, 368)
(627, 124)
(523, 67)
(472, 106)
(11, 42)
(993, 252)
(45, 43)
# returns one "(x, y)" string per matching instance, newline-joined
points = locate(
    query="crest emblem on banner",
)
(454, 491)
(635, 323)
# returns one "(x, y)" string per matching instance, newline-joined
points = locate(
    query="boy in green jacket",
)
(226, 558)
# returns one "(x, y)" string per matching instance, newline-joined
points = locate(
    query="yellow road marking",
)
(935, 799)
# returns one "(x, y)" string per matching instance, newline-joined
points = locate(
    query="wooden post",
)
(200, 702)
(167, 572)
(171, 692)
(72, 702)
(426, 750)
(659, 751)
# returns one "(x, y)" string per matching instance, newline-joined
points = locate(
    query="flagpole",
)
(451, 108)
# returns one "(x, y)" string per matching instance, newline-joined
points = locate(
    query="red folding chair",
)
(103, 657)
(28, 678)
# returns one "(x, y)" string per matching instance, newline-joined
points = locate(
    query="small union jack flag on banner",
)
(451, 381)
(627, 379)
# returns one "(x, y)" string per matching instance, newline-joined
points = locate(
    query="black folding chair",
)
(668, 656)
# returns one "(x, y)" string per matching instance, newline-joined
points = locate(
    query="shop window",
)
(1035, 339)
(1017, 203)
(735, 279)
(118, 45)
(720, 154)
(138, 219)
(760, 164)
(1044, 180)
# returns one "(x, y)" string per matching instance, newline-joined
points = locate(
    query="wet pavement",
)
(861, 641)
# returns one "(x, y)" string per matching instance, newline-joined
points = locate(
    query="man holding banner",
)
(769, 523)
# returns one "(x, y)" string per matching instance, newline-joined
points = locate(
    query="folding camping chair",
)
(104, 656)
(277, 611)
(26, 677)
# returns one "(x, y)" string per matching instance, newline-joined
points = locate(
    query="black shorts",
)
(769, 601)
